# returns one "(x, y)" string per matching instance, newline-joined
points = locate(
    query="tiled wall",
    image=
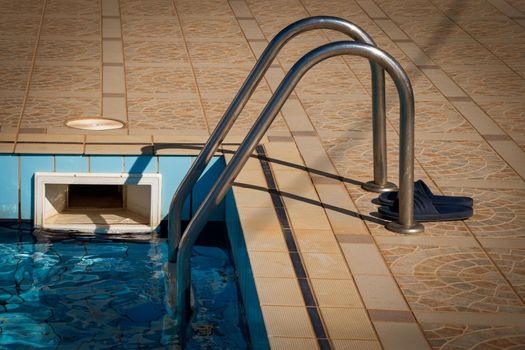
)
(250, 298)
(17, 178)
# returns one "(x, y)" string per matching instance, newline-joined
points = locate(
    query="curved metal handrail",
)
(379, 184)
(406, 223)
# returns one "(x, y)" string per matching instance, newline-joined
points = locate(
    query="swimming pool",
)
(98, 291)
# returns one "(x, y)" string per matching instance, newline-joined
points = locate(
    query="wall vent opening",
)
(97, 203)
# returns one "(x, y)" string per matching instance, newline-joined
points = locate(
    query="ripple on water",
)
(74, 293)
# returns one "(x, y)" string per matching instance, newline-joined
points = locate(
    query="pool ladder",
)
(180, 245)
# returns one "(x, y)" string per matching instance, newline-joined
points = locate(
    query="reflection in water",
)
(94, 293)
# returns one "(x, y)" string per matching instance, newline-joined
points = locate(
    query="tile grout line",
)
(194, 75)
(28, 86)
(248, 41)
(493, 262)
(101, 65)
(371, 235)
(450, 99)
(489, 143)
(331, 161)
(312, 307)
(123, 68)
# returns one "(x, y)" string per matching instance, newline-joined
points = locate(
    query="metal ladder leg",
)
(379, 184)
(406, 222)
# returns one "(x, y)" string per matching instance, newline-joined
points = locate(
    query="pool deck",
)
(169, 69)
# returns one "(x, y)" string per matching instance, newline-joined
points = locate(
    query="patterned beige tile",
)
(457, 336)
(467, 9)
(165, 28)
(492, 28)
(73, 8)
(223, 82)
(511, 53)
(450, 279)
(213, 9)
(27, 7)
(272, 8)
(19, 25)
(74, 79)
(165, 113)
(512, 264)
(16, 49)
(216, 107)
(72, 27)
(141, 51)
(221, 53)
(211, 29)
(14, 77)
(68, 52)
(510, 115)
(343, 9)
(353, 157)
(328, 82)
(438, 117)
(424, 88)
(425, 30)
(497, 213)
(53, 112)
(342, 114)
(10, 109)
(488, 82)
(462, 160)
(146, 8)
(470, 53)
(160, 80)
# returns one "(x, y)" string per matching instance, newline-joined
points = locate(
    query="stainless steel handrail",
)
(379, 184)
(406, 223)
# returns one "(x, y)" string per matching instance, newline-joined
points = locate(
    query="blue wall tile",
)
(105, 164)
(9, 183)
(29, 164)
(204, 185)
(71, 164)
(140, 164)
(173, 169)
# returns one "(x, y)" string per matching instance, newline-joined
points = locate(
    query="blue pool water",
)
(74, 292)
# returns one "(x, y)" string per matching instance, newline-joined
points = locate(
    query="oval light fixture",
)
(94, 123)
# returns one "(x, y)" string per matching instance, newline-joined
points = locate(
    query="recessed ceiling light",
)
(94, 123)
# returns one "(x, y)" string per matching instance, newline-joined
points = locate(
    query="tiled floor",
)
(168, 69)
